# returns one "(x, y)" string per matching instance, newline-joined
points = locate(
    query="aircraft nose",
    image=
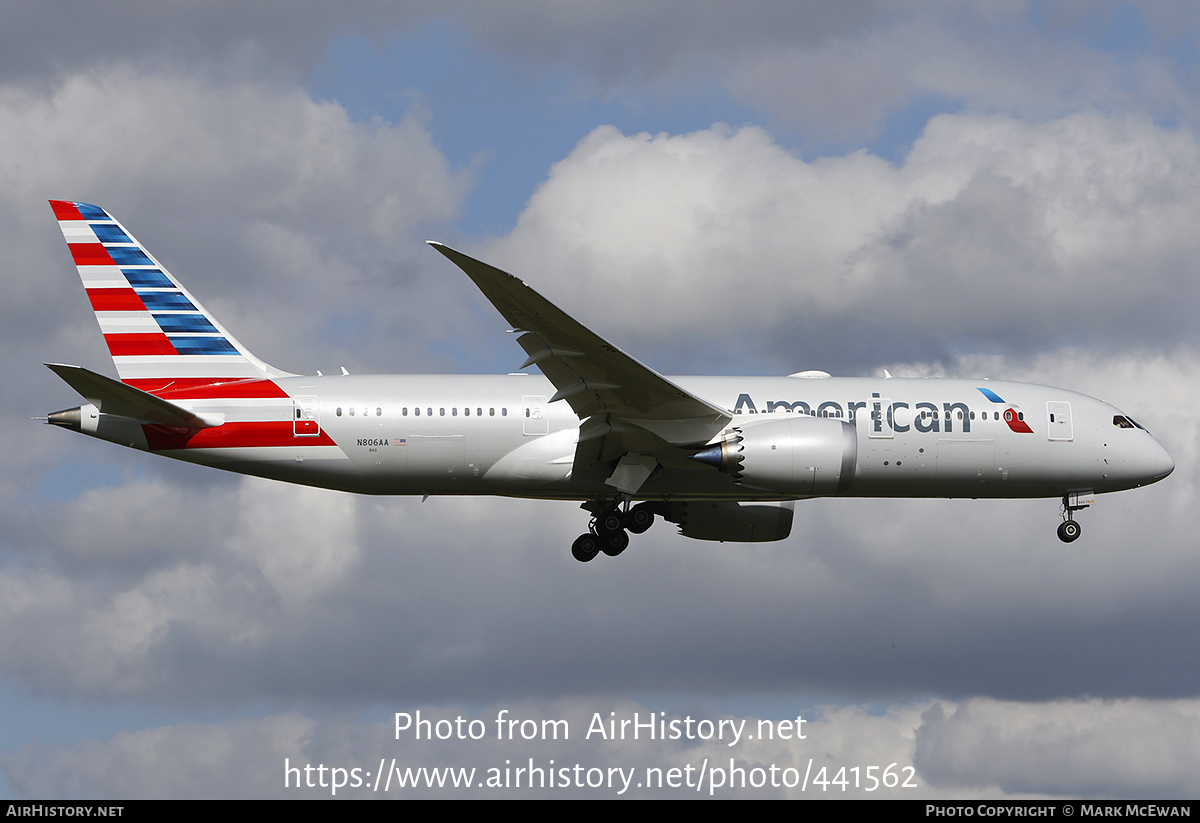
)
(1150, 464)
(1140, 462)
(1163, 464)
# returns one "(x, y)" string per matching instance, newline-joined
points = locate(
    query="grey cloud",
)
(1124, 748)
(978, 749)
(612, 43)
(247, 758)
(280, 39)
(838, 71)
(190, 760)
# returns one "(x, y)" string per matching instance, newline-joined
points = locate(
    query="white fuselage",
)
(468, 434)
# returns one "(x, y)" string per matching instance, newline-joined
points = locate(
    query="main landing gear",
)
(611, 526)
(1069, 530)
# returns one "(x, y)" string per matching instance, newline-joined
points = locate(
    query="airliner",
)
(722, 458)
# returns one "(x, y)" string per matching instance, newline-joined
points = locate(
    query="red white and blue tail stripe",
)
(161, 339)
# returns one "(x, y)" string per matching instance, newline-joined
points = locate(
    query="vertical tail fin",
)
(159, 336)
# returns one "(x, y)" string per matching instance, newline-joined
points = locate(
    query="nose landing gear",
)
(1069, 530)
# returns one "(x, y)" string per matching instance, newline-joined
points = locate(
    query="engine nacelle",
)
(790, 454)
(732, 521)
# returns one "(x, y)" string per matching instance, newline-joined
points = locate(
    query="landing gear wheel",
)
(610, 522)
(1069, 531)
(639, 518)
(616, 544)
(585, 547)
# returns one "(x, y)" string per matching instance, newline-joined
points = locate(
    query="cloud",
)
(694, 752)
(299, 227)
(1086, 748)
(221, 38)
(190, 760)
(837, 72)
(976, 749)
(849, 72)
(261, 189)
(994, 235)
(983, 59)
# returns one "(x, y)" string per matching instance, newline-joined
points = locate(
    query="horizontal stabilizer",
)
(114, 397)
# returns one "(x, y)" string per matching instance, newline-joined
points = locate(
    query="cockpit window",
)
(1123, 422)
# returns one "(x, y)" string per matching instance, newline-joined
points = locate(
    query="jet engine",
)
(731, 521)
(793, 455)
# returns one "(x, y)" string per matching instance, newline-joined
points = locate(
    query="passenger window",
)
(339, 411)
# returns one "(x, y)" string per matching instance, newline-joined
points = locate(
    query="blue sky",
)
(510, 123)
(995, 190)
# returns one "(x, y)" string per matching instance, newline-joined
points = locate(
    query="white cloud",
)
(993, 234)
(302, 540)
(299, 227)
(248, 191)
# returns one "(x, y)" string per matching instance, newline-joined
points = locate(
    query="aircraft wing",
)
(606, 387)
